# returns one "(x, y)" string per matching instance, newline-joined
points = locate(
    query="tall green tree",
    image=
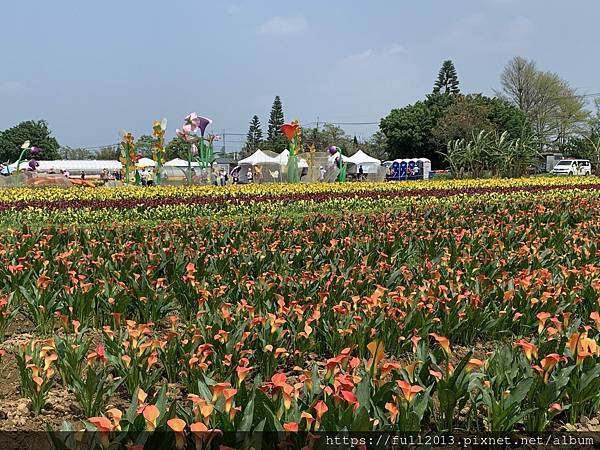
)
(275, 139)
(553, 108)
(326, 135)
(409, 130)
(376, 146)
(36, 132)
(144, 145)
(470, 114)
(176, 148)
(447, 81)
(254, 137)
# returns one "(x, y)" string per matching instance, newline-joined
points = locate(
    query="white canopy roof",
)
(145, 162)
(361, 157)
(177, 162)
(86, 165)
(257, 158)
(284, 156)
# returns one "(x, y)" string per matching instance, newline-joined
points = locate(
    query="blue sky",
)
(93, 69)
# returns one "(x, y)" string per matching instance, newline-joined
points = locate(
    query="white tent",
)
(284, 157)
(368, 163)
(145, 162)
(177, 162)
(257, 158)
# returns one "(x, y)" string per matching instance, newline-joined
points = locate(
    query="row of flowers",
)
(11, 195)
(319, 322)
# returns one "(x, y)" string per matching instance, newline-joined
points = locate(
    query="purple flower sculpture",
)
(35, 151)
(33, 164)
(332, 150)
(203, 122)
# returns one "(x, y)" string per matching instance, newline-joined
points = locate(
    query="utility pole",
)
(317, 124)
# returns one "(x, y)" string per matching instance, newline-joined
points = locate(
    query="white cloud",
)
(11, 88)
(396, 49)
(283, 25)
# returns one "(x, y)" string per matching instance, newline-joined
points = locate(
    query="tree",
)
(76, 153)
(327, 135)
(276, 141)
(254, 138)
(447, 82)
(552, 107)
(376, 146)
(36, 132)
(472, 113)
(108, 153)
(176, 148)
(465, 117)
(408, 130)
(144, 145)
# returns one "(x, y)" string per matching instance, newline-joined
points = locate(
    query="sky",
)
(95, 68)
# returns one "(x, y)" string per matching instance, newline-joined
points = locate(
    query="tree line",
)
(532, 113)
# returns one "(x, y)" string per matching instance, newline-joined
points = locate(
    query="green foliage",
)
(177, 148)
(36, 132)
(324, 136)
(466, 115)
(447, 82)
(552, 107)
(276, 141)
(108, 153)
(144, 145)
(254, 138)
(408, 130)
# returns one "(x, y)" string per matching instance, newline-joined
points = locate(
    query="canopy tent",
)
(284, 157)
(72, 166)
(177, 162)
(368, 163)
(258, 158)
(145, 162)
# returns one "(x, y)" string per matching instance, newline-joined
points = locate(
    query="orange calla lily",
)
(377, 351)
(409, 391)
(151, 413)
(443, 341)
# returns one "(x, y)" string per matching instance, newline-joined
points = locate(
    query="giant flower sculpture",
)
(158, 153)
(293, 132)
(192, 124)
(128, 155)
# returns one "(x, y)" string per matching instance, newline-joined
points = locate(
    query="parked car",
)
(573, 167)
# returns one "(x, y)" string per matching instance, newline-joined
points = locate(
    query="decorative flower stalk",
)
(34, 152)
(128, 156)
(193, 123)
(293, 131)
(158, 131)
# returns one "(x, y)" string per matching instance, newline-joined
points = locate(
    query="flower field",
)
(442, 306)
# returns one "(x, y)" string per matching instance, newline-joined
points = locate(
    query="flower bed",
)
(460, 312)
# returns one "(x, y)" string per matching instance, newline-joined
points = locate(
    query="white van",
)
(573, 167)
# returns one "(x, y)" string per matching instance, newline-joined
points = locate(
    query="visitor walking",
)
(361, 173)
(150, 177)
